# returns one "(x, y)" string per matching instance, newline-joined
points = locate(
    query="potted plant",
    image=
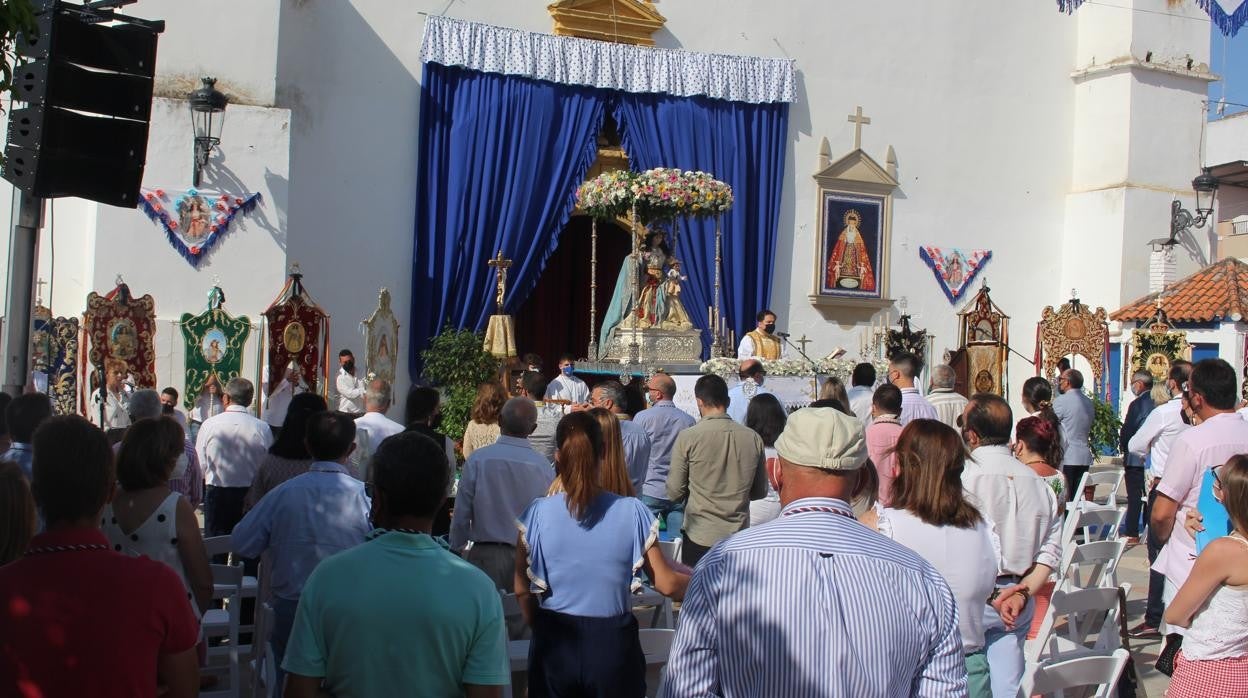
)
(457, 363)
(1103, 437)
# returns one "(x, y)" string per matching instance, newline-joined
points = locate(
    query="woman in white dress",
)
(146, 518)
(930, 514)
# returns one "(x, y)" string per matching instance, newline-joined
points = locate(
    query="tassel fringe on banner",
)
(224, 208)
(954, 268)
(1228, 24)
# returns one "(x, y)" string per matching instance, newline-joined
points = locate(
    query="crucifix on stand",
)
(858, 120)
(500, 335)
(803, 341)
(39, 291)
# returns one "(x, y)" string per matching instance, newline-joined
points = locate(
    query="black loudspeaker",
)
(88, 88)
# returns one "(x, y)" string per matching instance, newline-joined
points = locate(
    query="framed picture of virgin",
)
(852, 246)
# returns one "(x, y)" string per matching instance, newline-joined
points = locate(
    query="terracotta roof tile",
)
(1217, 292)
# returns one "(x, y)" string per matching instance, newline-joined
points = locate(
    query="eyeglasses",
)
(1217, 481)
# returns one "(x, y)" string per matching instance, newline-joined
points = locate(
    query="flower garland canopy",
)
(658, 194)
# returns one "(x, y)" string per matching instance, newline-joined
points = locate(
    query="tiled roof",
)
(1217, 292)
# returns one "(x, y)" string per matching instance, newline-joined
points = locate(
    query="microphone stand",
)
(813, 365)
(103, 399)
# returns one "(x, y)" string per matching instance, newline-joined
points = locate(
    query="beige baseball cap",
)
(823, 437)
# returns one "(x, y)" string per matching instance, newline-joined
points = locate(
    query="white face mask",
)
(180, 466)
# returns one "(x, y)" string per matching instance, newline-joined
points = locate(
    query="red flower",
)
(148, 196)
(160, 193)
(238, 200)
(224, 197)
(173, 225)
(195, 250)
(220, 207)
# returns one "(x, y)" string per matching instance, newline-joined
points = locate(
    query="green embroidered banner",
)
(214, 346)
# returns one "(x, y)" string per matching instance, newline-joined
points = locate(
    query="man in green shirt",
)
(399, 615)
(718, 464)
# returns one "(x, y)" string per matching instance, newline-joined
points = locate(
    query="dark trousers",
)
(579, 656)
(1074, 475)
(691, 552)
(1156, 580)
(1135, 492)
(283, 622)
(223, 508)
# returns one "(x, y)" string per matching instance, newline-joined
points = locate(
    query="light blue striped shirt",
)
(816, 604)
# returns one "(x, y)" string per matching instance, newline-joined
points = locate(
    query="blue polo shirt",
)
(399, 615)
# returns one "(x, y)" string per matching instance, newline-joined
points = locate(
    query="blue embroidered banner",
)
(195, 221)
(1228, 23)
(954, 268)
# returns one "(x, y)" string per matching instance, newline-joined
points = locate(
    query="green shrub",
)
(457, 363)
(1103, 437)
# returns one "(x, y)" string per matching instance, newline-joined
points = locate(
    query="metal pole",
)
(23, 257)
(592, 354)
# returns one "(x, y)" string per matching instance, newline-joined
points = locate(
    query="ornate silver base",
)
(656, 346)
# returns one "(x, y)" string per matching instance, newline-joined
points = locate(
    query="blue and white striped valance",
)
(574, 61)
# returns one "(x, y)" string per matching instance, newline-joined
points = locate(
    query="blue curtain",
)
(741, 144)
(500, 160)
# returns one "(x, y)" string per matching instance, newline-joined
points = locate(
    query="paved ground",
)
(1134, 570)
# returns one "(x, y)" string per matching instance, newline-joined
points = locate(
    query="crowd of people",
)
(883, 541)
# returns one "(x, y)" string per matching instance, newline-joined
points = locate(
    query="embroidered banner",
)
(214, 346)
(1228, 23)
(54, 353)
(954, 268)
(120, 327)
(381, 337)
(298, 330)
(195, 221)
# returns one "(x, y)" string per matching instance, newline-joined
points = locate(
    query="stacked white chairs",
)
(1094, 671)
(264, 666)
(1091, 565)
(221, 626)
(1104, 486)
(1094, 522)
(221, 545)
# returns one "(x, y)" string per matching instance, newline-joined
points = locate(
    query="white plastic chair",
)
(649, 596)
(222, 545)
(1096, 523)
(1089, 613)
(1091, 565)
(1110, 480)
(1098, 671)
(671, 548)
(223, 624)
(263, 667)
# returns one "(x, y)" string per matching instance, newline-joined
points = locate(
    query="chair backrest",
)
(511, 606)
(228, 581)
(217, 545)
(1104, 484)
(1099, 671)
(1096, 523)
(1091, 565)
(671, 548)
(656, 644)
(264, 678)
(1088, 613)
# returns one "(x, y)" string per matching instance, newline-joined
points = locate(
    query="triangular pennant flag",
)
(954, 268)
(195, 221)
(1228, 23)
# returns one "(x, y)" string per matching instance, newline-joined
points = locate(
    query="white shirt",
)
(739, 402)
(350, 392)
(278, 402)
(915, 406)
(567, 387)
(948, 405)
(745, 349)
(206, 406)
(860, 403)
(230, 447)
(1157, 434)
(1021, 505)
(370, 431)
(116, 409)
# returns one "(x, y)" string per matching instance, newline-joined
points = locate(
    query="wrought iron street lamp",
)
(1181, 219)
(207, 116)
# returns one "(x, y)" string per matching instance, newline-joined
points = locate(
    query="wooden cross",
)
(41, 283)
(500, 263)
(858, 120)
(803, 341)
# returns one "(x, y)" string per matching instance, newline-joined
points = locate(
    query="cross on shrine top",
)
(500, 263)
(858, 120)
(41, 283)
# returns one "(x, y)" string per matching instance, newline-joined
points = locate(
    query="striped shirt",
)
(816, 604)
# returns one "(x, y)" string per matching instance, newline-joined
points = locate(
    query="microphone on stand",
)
(786, 335)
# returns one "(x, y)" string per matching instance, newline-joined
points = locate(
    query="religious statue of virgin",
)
(658, 299)
(849, 265)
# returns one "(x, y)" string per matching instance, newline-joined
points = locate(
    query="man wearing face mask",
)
(752, 375)
(1024, 509)
(1133, 465)
(187, 479)
(1075, 412)
(566, 386)
(762, 342)
(351, 389)
(169, 407)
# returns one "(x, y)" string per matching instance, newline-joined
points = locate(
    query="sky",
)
(1229, 58)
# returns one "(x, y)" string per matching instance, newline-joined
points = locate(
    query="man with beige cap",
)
(814, 603)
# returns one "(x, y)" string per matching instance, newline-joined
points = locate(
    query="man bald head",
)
(986, 421)
(518, 417)
(664, 384)
(751, 368)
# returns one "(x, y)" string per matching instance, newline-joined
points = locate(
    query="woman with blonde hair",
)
(613, 472)
(17, 512)
(483, 429)
(578, 554)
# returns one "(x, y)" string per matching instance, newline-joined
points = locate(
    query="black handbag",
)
(1165, 660)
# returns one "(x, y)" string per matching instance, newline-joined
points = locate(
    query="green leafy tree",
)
(16, 16)
(457, 363)
(1103, 437)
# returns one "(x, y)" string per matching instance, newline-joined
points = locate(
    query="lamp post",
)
(207, 116)
(1181, 219)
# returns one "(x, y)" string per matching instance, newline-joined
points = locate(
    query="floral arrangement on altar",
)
(726, 367)
(658, 194)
